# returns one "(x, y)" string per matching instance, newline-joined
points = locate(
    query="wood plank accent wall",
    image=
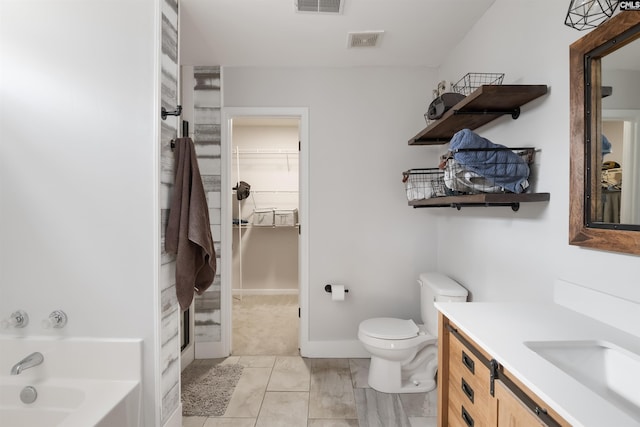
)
(207, 139)
(170, 312)
(206, 134)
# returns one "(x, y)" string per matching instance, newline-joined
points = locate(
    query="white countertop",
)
(502, 328)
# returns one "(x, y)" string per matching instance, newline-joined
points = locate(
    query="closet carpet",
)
(265, 325)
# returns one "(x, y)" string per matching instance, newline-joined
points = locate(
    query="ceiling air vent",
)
(365, 39)
(321, 6)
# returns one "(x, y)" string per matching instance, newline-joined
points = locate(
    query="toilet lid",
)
(389, 328)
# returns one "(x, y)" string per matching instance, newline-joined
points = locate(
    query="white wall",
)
(626, 90)
(78, 169)
(498, 254)
(361, 232)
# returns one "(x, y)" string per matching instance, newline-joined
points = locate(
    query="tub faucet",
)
(34, 359)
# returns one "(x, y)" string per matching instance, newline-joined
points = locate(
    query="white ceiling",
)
(272, 33)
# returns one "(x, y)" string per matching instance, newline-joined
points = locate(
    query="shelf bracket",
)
(164, 113)
(515, 206)
(515, 113)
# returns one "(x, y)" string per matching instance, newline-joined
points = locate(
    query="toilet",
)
(404, 355)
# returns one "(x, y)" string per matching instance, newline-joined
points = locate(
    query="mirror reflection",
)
(605, 58)
(617, 164)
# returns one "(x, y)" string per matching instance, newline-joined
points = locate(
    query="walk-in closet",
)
(265, 171)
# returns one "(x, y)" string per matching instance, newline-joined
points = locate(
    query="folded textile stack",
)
(476, 164)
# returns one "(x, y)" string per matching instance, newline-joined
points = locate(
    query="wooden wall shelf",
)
(485, 104)
(487, 199)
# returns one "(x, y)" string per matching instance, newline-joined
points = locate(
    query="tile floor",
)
(278, 388)
(291, 391)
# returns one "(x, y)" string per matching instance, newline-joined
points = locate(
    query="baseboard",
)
(209, 350)
(265, 292)
(352, 349)
(187, 356)
(175, 420)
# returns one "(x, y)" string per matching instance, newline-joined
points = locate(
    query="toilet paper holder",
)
(327, 288)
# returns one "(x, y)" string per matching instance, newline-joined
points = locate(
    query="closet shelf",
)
(275, 191)
(484, 105)
(264, 226)
(267, 152)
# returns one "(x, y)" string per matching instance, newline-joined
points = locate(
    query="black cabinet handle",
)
(468, 362)
(467, 418)
(467, 390)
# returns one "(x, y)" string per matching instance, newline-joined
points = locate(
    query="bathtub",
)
(81, 383)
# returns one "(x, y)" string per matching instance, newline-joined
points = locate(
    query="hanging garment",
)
(243, 190)
(188, 230)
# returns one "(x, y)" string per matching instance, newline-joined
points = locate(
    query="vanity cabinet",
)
(474, 390)
(511, 411)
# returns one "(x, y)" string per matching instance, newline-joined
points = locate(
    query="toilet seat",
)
(388, 328)
(405, 334)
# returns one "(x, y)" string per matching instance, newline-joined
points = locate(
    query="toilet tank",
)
(437, 287)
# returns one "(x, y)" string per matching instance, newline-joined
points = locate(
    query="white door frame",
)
(630, 162)
(228, 114)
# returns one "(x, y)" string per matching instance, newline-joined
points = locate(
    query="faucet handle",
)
(57, 319)
(17, 319)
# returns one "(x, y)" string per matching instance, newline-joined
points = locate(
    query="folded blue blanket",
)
(503, 168)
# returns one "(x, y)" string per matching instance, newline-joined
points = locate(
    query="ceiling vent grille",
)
(365, 39)
(319, 6)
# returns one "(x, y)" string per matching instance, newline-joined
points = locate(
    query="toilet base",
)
(386, 376)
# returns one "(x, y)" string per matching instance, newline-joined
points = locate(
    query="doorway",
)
(264, 248)
(622, 128)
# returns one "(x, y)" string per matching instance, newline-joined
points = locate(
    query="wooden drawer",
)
(464, 414)
(469, 387)
(477, 402)
(465, 364)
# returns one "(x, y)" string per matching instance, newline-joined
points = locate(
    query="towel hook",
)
(164, 113)
(185, 132)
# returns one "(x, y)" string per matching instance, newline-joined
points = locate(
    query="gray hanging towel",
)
(188, 230)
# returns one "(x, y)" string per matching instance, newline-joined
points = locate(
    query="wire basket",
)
(421, 184)
(472, 81)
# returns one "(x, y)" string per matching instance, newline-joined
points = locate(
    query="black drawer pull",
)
(466, 417)
(468, 362)
(467, 390)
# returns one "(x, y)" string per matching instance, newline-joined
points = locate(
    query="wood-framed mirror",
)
(604, 210)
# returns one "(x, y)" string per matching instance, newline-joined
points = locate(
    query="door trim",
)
(228, 114)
